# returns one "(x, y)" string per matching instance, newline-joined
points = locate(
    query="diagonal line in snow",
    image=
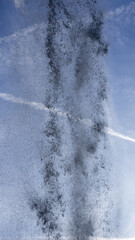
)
(40, 106)
(23, 32)
(119, 135)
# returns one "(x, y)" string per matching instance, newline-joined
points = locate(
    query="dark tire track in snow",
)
(75, 164)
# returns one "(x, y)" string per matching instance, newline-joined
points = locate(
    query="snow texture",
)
(55, 170)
